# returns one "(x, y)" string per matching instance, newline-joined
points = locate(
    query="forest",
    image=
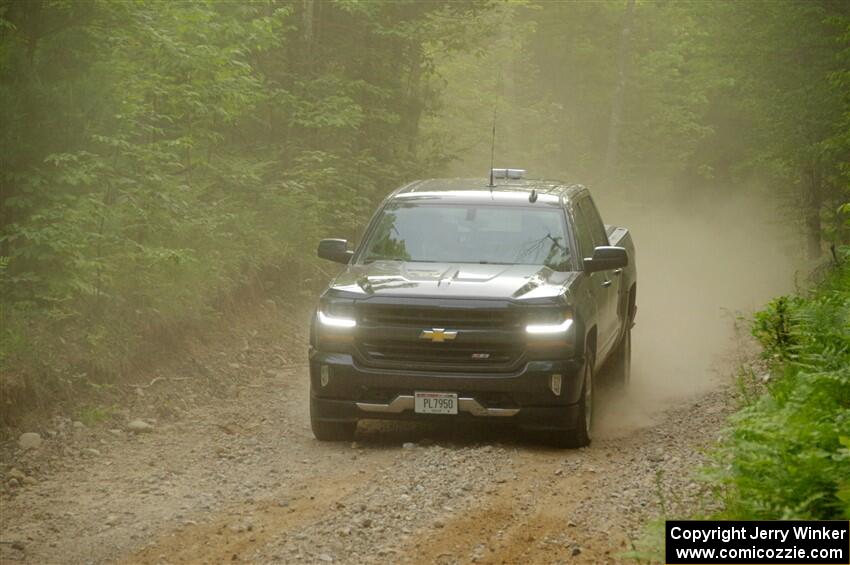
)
(159, 160)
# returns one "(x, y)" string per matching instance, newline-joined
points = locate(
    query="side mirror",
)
(606, 258)
(335, 250)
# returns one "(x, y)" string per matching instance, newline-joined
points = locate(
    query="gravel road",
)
(237, 476)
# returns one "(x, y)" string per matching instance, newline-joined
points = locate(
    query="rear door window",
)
(585, 236)
(594, 222)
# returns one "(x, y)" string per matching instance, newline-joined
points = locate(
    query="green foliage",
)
(716, 96)
(156, 157)
(788, 453)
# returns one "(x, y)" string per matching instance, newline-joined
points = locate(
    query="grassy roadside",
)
(198, 353)
(785, 453)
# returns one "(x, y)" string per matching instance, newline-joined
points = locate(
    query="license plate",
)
(435, 403)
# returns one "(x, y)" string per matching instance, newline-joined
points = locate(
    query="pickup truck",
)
(467, 300)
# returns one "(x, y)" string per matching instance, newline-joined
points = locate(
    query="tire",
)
(324, 430)
(580, 435)
(621, 362)
(333, 431)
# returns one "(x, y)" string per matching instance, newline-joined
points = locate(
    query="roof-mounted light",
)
(508, 173)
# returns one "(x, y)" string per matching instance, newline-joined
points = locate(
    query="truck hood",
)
(453, 280)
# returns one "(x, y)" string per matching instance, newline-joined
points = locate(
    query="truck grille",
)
(454, 318)
(487, 339)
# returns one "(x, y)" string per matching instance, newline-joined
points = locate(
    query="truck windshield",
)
(470, 234)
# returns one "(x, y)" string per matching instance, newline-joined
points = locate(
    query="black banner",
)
(694, 542)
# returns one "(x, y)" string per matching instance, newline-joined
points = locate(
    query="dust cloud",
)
(701, 265)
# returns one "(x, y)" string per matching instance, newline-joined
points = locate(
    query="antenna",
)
(492, 150)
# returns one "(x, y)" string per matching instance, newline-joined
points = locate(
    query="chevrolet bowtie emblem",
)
(438, 335)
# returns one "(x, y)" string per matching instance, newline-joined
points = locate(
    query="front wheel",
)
(580, 435)
(333, 431)
(325, 430)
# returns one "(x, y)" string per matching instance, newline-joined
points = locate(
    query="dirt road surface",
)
(236, 476)
(243, 480)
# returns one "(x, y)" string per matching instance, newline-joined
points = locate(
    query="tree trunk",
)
(812, 209)
(414, 103)
(611, 153)
(307, 22)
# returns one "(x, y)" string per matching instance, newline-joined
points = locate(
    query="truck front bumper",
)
(343, 391)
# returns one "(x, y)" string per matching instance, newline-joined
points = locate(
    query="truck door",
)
(598, 290)
(607, 281)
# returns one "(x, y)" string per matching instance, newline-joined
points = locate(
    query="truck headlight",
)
(336, 321)
(549, 322)
(549, 328)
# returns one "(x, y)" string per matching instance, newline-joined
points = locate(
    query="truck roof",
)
(477, 191)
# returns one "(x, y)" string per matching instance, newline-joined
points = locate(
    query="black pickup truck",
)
(467, 300)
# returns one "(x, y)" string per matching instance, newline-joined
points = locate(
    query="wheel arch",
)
(591, 341)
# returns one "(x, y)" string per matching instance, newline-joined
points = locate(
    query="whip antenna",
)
(492, 149)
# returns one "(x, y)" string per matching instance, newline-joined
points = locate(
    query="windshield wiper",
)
(480, 262)
(373, 259)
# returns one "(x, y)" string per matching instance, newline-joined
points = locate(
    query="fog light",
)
(326, 375)
(555, 384)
